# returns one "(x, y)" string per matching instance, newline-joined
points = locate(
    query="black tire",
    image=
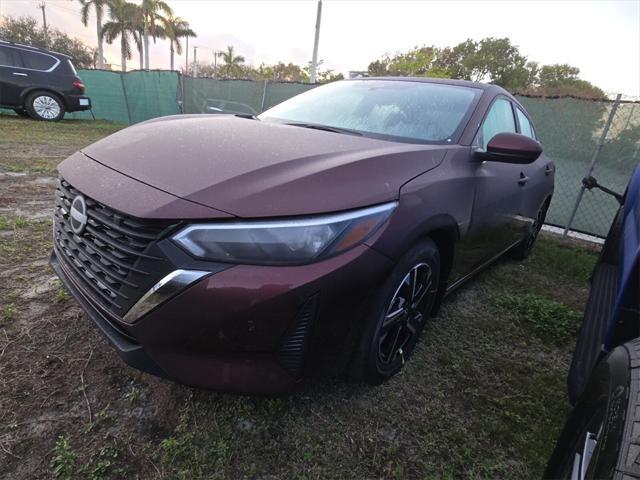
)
(53, 114)
(370, 365)
(609, 409)
(523, 249)
(21, 112)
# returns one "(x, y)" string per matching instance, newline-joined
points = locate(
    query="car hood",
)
(253, 168)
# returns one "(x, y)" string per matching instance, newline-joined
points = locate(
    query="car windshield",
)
(409, 110)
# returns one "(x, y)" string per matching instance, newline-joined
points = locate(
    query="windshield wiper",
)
(326, 128)
(249, 116)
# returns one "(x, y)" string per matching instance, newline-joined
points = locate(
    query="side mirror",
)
(511, 148)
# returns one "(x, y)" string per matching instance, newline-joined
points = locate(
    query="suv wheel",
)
(600, 437)
(399, 314)
(45, 106)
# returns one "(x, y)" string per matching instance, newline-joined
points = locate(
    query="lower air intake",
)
(292, 352)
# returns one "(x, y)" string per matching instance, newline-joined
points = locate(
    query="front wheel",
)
(600, 438)
(523, 249)
(45, 106)
(398, 315)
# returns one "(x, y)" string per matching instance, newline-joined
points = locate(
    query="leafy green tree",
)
(493, 60)
(557, 74)
(122, 24)
(27, 31)
(99, 6)
(323, 76)
(175, 29)
(281, 72)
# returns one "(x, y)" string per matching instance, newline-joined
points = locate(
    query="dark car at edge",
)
(39, 83)
(245, 253)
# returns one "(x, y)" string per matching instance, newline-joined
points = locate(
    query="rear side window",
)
(37, 61)
(72, 67)
(8, 57)
(499, 119)
(525, 124)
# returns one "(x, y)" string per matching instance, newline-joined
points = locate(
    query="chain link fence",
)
(569, 129)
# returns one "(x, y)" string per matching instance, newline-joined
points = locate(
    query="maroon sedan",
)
(244, 253)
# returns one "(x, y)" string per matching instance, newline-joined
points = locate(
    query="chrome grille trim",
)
(110, 260)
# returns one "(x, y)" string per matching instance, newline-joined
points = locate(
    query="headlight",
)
(282, 242)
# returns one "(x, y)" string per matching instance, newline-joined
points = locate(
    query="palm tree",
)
(138, 33)
(99, 6)
(122, 14)
(151, 13)
(176, 28)
(232, 62)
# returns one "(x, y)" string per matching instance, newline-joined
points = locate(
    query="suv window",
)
(525, 124)
(37, 61)
(8, 57)
(499, 119)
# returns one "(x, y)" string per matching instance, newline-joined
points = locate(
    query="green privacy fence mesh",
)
(568, 128)
(205, 95)
(130, 97)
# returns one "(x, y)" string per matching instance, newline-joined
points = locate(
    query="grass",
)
(482, 397)
(37, 147)
(63, 460)
(550, 319)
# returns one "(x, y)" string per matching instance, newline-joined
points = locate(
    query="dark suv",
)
(39, 83)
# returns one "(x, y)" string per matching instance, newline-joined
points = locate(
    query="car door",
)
(35, 70)
(538, 175)
(9, 61)
(495, 222)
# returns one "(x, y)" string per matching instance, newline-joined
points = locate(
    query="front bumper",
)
(131, 352)
(252, 329)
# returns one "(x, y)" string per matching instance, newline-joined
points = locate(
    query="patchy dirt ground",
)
(484, 395)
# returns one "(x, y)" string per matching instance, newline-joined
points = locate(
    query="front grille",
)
(113, 261)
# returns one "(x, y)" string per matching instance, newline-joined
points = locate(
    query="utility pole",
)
(42, 6)
(195, 61)
(215, 64)
(314, 60)
(186, 61)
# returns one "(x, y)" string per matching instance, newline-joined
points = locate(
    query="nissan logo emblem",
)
(78, 214)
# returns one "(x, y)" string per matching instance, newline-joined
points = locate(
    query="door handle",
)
(19, 74)
(523, 179)
(548, 170)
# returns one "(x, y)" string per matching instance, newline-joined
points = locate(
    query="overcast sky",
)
(602, 37)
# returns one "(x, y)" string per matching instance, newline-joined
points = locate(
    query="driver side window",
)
(499, 119)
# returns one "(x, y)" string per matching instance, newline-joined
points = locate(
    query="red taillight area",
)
(79, 85)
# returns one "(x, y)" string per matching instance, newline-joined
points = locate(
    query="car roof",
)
(34, 49)
(444, 81)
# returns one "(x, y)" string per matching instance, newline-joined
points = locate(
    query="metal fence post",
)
(126, 97)
(596, 152)
(264, 95)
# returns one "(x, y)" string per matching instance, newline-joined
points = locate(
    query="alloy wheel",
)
(582, 454)
(46, 107)
(405, 315)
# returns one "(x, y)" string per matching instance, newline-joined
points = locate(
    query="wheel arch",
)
(443, 231)
(27, 92)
